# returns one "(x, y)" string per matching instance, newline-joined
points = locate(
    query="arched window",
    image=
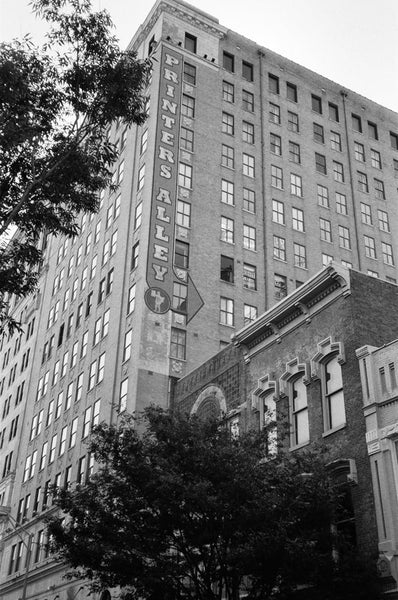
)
(334, 396)
(299, 412)
(326, 365)
(294, 385)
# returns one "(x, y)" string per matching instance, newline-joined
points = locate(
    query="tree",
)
(187, 511)
(56, 104)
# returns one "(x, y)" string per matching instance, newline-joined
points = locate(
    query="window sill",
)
(293, 448)
(334, 430)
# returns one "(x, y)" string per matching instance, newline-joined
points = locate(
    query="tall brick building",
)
(250, 173)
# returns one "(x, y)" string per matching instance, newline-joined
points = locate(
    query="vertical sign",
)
(160, 274)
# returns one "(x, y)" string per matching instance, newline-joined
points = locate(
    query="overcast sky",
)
(352, 42)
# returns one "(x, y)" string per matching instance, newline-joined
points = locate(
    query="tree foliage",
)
(185, 511)
(56, 103)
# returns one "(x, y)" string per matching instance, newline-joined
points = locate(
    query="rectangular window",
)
(228, 62)
(138, 215)
(291, 92)
(383, 221)
(134, 256)
(249, 200)
(227, 269)
(228, 92)
(320, 163)
(276, 177)
(248, 165)
(228, 126)
(379, 190)
(86, 422)
(123, 395)
(249, 237)
(189, 74)
(226, 311)
(356, 123)
(319, 135)
(341, 204)
(53, 446)
(375, 158)
(370, 247)
(292, 122)
(274, 115)
(187, 139)
(372, 130)
(190, 42)
(296, 186)
(280, 285)
(101, 368)
(300, 256)
(227, 156)
(386, 249)
(394, 140)
(181, 254)
(326, 230)
(275, 144)
(249, 314)
(141, 178)
(326, 259)
(363, 182)
(131, 299)
(227, 230)
(178, 343)
(294, 152)
(333, 112)
(180, 297)
(247, 101)
(298, 219)
(335, 141)
(323, 196)
(279, 248)
(338, 172)
(185, 175)
(248, 132)
(316, 104)
(273, 84)
(249, 277)
(144, 141)
(247, 71)
(183, 214)
(227, 192)
(359, 151)
(278, 212)
(188, 106)
(344, 238)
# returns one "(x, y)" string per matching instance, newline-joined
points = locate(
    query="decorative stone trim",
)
(294, 369)
(325, 349)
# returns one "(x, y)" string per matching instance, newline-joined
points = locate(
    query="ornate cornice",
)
(183, 12)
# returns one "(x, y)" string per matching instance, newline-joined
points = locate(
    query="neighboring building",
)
(298, 363)
(249, 174)
(380, 398)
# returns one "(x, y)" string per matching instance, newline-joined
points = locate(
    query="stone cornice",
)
(328, 284)
(182, 11)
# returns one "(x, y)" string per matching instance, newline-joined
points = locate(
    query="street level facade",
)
(250, 173)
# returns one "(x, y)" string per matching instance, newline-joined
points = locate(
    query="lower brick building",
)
(299, 360)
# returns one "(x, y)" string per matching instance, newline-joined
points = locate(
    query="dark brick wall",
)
(369, 315)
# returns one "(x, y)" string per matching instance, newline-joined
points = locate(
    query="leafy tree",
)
(186, 511)
(56, 103)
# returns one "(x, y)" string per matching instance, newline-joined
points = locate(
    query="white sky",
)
(352, 42)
